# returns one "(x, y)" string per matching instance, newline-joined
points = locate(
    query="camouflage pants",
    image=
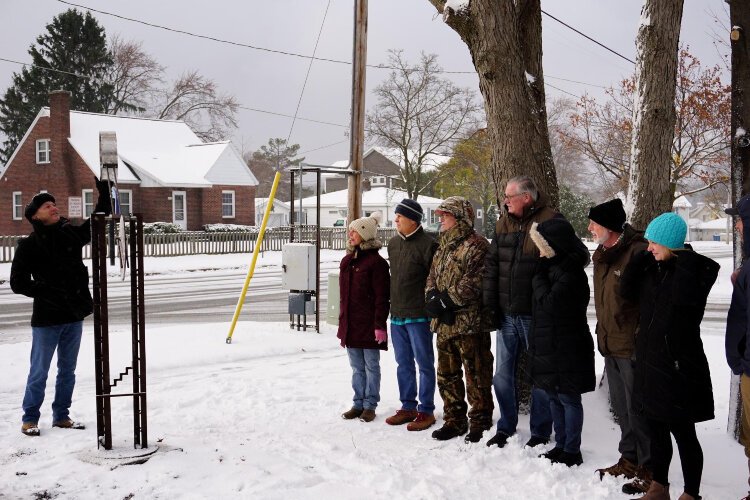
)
(472, 352)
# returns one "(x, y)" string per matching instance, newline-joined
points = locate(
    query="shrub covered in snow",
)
(161, 228)
(225, 228)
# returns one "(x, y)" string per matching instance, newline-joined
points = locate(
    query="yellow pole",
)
(258, 245)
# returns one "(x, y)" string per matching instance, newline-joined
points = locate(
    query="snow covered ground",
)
(260, 419)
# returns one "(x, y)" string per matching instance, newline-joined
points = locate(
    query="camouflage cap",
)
(458, 206)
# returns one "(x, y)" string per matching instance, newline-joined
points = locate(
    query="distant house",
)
(279, 215)
(333, 206)
(378, 171)
(712, 230)
(165, 171)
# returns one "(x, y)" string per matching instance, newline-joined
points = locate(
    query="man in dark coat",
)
(509, 267)
(48, 267)
(737, 339)
(410, 253)
(453, 299)
(364, 286)
(616, 326)
(561, 351)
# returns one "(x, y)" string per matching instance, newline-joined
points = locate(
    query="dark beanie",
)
(410, 209)
(609, 214)
(36, 202)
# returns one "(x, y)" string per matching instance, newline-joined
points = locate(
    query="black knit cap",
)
(36, 202)
(609, 214)
(410, 209)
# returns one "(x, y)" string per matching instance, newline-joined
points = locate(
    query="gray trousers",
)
(635, 444)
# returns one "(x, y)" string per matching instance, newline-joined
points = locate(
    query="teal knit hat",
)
(668, 229)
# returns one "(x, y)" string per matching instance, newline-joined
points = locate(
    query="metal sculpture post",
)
(104, 384)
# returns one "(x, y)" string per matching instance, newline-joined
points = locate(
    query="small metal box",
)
(298, 266)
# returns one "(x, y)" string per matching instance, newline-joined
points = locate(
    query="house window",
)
(126, 202)
(479, 213)
(42, 151)
(17, 206)
(88, 202)
(227, 204)
(377, 181)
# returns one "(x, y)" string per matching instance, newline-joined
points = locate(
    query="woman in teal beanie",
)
(672, 388)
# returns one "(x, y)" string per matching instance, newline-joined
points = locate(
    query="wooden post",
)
(357, 139)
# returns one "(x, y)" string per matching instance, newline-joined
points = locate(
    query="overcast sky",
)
(273, 82)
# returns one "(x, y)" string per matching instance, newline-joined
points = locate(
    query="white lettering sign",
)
(75, 207)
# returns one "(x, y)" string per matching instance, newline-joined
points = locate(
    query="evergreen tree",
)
(575, 208)
(75, 46)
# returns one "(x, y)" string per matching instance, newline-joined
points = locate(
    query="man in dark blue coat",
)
(48, 267)
(738, 354)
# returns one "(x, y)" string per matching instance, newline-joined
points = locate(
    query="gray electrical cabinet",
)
(299, 267)
(334, 299)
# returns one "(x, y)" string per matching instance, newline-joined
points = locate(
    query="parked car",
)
(432, 228)
(339, 223)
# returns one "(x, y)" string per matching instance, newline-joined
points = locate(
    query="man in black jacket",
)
(48, 267)
(410, 253)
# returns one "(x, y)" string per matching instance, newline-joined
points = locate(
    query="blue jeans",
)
(365, 365)
(66, 339)
(514, 331)
(413, 341)
(567, 415)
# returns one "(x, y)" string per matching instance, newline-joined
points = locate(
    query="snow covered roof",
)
(431, 162)
(681, 202)
(375, 197)
(720, 223)
(261, 202)
(157, 152)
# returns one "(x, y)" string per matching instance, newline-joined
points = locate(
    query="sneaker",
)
(553, 454)
(422, 422)
(30, 428)
(623, 467)
(536, 441)
(641, 483)
(402, 417)
(367, 416)
(448, 431)
(352, 413)
(500, 439)
(568, 459)
(68, 424)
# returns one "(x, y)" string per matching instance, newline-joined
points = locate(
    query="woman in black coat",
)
(672, 388)
(561, 349)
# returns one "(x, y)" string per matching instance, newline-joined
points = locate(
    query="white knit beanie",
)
(367, 227)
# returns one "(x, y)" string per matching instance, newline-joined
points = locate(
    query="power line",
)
(587, 37)
(290, 116)
(77, 75)
(323, 147)
(307, 75)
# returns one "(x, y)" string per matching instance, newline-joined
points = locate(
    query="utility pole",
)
(739, 19)
(357, 138)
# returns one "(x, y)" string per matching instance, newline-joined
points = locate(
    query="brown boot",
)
(656, 492)
(68, 424)
(640, 484)
(30, 429)
(402, 417)
(352, 413)
(623, 467)
(685, 496)
(367, 416)
(422, 422)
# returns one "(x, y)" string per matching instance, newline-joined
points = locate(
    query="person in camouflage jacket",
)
(453, 299)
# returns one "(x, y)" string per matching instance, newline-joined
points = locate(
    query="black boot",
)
(500, 439)
(448, 431)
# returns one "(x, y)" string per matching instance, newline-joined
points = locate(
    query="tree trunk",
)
(649, 192)
(516, 117)
(739, 17)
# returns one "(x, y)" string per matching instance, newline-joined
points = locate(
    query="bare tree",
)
(418, 115)
(134, 76)
(654, 115)
(504, 38)
(197, 101)
(699, 154)
(570, 165)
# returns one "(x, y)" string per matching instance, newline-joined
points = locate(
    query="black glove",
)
(438, 303)
(103, 203)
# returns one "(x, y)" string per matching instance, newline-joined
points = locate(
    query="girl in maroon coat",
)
(364, 285)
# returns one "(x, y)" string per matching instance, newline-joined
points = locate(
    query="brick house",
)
(165, 172)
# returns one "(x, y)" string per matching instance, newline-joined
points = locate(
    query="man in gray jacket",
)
(410, 253)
